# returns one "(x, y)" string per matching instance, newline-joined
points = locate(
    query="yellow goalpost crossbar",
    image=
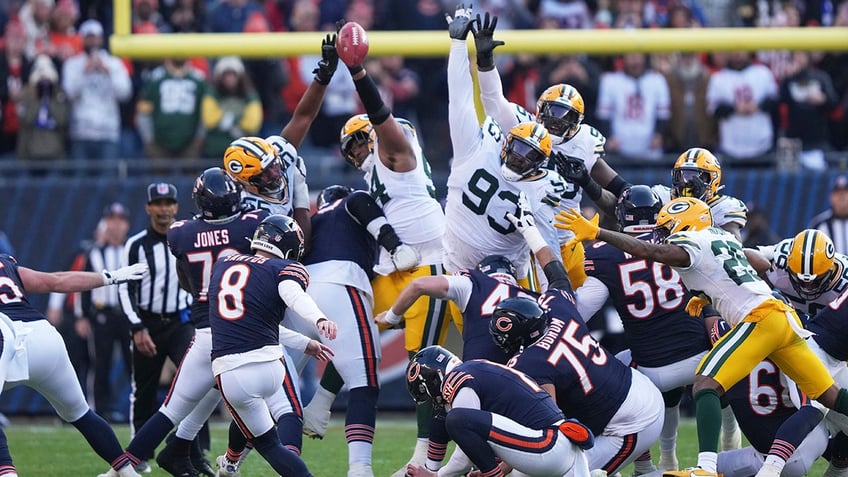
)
(437, 43)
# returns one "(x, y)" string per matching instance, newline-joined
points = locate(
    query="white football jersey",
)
(724, 209)
(778, 276)
(408, 200)
(743, 135)
(295, 192)
(587, 144)
(478, 196)
(718, 268)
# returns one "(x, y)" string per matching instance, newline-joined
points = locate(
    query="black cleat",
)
(178, 466)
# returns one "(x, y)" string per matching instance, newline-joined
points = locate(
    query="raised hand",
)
(572, 169)
(460, 24)
(329, 60)
(524, 219)
(574, 221)
(485, 42)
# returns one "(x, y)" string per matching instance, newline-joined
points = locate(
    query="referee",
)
(156, 307)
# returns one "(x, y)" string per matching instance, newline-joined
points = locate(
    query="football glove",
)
(405, 258)
(573, 220)
(133, 272)
(696, 305)
(485, 42)
(329, 60)
(572, 169)
(460, 24)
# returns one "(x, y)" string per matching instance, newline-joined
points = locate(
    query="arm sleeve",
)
(591, 296)
(459, 290)
(494, 102)
(466, 397)
(292, 339)
(462, 118)
(301, 189)
(296, 298)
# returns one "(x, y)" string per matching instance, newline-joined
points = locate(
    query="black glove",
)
(571, 169)
(329, 60)
(460, 24)
(485, 42)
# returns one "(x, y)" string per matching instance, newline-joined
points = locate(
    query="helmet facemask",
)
(562, 122)
(520, 160)
(357, 138)
(691, 183)
(270, 182)
(662, 232)
(812, 286)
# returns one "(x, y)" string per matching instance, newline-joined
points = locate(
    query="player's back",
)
(761, 403)
(197, 244)
(828, 324)
(486, 293)
(245, 308)
(504, 391)
(724, 209)
(720, 270)
(651, 301)
(13, 300)
(778, 276)
(590, 383)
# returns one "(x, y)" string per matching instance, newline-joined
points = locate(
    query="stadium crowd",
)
(63, 96)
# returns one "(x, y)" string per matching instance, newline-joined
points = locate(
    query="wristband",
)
(392, 318)
(534, 239)
(354, 70)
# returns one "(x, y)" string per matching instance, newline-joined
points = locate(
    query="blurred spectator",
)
(836, 65)
(520, 78)
(633, 109)
(725, 13)
(35, 17)
(570, 14)
(758, 230)
(578, 71)
(690, 124)
(186, 16)
(834, 221)
(331, 11)
(231, 107)
(229, 16)
(398, 85)
(268, 77)
(808, 96)
(95, 83)
(742, 96)
(780, 61)
(101, 308)
(14, 71)
(43, 113)
(147, 12)
(62, 42)
(168, 112)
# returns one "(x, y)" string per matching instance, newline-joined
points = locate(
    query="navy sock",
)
(151, 434)
(282, 460)
(361, 414)
(794, 430)
(469, 428)
(100, 436)
(290, 431)
(236, 442)
(6, 464)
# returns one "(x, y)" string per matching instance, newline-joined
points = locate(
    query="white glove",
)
(125, 274)
(405, 258)
(525, 223)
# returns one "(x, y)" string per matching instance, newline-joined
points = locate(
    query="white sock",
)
(420, 452)
(322, 400)
(643, 466)
(729, 426)
(668, 435)
(359, 453)
(708, 461)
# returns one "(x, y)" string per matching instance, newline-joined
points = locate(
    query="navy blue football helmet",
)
(280, 236)
(331, 194)
(426, 372)
(216, 194)
(499, 268)
(637, 209)
(516, 323)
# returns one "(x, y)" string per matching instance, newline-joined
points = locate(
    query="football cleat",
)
(227, 468)
(691, 472)
(176, 465)
(315, 421)
(143, 467)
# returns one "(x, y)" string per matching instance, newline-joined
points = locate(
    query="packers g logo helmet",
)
(811, 264)
(254, 163)
(560, 108)
(696, 173)
(684, 214)
(357, 130)
(525, 151)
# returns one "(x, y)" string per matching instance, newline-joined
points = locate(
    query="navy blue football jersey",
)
(337, 236)
(245, 308)
(590, 383)
(761, 403)
(651, 300)
(13, 300)
(477, 342)
(198, 244)
(504, 391)
(828, 324)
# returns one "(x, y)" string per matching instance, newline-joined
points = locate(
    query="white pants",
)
(49, 368)
(668, 377)
(633, 430)
(255, 392)
(834, 420)
(7, 348)
(563, 458)
(747, 461)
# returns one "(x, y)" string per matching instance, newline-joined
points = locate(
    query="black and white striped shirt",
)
(834, 227)
(99, 258)
(159, 291)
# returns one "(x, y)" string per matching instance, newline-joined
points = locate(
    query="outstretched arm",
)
(71, 282)
(462, 118)
(491, 89)
(310, 104)
(435, 286)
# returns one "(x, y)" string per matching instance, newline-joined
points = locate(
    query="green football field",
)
(46, 450)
